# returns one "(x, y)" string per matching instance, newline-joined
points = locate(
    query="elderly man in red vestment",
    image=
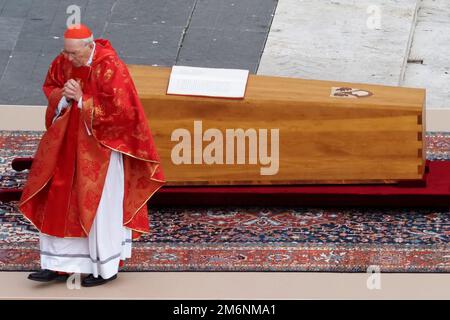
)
(96, 165)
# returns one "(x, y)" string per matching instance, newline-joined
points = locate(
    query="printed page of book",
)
(209, 82)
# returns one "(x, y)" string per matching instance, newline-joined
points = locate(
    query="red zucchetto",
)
(77, 31)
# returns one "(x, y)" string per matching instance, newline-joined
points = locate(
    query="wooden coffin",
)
(328, 132)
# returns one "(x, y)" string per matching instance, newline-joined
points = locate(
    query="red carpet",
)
(434, 191)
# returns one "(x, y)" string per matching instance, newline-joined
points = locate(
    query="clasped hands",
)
(72, 90)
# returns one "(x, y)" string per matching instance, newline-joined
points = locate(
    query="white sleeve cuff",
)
(61, 105)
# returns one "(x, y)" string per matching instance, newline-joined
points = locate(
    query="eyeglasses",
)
(73, 53)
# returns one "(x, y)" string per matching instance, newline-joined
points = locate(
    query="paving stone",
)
(23, 78)
(144, 41)
(174, 13)
(340, 40)
(9, 32)
(41, 67)
(39, 19)
(59, 23)
(4, 58)
(19, 67)
(11, 91)
(148, 32)
(430, 44)
(46, 44)
(222, 47)
(33, 95)
(16, 8)
(36, 28)
(243, 15)
(252, 67)
(2, 4)
(97, 15)
(149, 61)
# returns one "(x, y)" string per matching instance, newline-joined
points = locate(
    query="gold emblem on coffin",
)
(347, 92)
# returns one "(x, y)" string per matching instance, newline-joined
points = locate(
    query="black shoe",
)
(91, 281)
(47, 276)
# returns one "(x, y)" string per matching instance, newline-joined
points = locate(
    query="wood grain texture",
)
(322, 139)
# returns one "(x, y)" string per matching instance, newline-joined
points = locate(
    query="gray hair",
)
(88, 41)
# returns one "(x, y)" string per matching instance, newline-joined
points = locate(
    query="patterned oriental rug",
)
(254, 238)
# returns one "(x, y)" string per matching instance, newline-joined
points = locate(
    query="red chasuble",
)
(66, 179)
